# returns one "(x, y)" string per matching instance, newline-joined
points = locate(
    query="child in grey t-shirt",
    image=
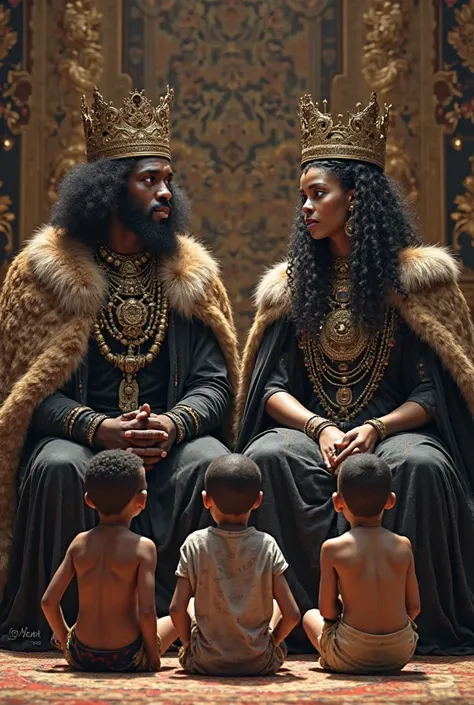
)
(235, 573)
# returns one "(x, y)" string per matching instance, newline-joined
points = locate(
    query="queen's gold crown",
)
(137, 129)
(363, 138)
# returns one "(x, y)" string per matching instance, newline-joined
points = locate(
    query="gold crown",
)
(137, 129)
(363, 138)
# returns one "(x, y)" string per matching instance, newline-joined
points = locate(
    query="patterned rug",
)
(45, 678)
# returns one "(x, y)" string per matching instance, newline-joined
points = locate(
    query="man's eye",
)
(149, 180)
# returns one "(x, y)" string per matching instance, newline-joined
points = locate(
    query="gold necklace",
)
(135, 313)
(340, 339)
(342, 343)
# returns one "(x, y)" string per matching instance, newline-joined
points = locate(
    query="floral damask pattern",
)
(454, 86)
(454, 91)
(8, 38)
(461, 36)
(464, 215)
(6, 220)
(15, 90)
(238, 69)
(463, 218)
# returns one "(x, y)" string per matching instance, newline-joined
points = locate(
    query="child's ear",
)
(142, 498)
(337, 502)
(89, 502)
(392, 498)
(258, 501)
(206, 499)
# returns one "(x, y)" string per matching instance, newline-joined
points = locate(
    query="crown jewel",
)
(363, 138)
(137, 129)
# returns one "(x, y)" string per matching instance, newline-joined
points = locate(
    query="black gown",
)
(51, 508)
(432, 482)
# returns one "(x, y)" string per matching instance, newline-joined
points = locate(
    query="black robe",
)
(433, 477)
(190, 369)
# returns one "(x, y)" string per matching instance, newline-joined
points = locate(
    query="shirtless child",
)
(373, 572)
(116, 628)
(236, 575)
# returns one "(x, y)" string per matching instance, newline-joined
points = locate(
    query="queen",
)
(363, 342)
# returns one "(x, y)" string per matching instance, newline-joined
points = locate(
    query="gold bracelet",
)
(320, 428)
(65, 421)
(194, 415)
(178, 422)
(71, 418)
(306, 428)
(93, 426)
(379, 426)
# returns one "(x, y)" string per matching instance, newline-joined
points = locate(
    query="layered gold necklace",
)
(342, 355)
(135, 314)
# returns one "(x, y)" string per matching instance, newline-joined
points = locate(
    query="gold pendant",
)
(132, 313)
(340, 340)
(128, 394)
(344, 396)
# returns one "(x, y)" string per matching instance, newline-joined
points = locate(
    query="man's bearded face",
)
(147, 206)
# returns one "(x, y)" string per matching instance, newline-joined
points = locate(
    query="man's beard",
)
(158, 237)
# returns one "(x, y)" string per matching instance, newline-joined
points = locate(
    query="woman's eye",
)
(316, 194)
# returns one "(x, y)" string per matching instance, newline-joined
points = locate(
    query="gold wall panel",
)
(392, 50)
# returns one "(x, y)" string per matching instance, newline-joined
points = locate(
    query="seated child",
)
(372, 570)
(116, 628)
(232, 627)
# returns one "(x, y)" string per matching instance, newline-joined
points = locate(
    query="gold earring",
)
(349, 228)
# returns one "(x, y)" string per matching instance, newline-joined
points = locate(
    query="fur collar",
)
(67, 269)
(421, 268)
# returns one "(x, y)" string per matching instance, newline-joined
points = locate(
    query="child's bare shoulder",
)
(80, 541)
(400, 546)
(146, 549)
(333, 547)
(403, 543)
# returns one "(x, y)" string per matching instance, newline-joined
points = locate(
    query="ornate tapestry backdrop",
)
(238, 68)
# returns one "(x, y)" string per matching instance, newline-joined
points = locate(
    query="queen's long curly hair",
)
(383, 225)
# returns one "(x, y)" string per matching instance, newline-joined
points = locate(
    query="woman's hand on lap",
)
(361, 439)
(329, 438)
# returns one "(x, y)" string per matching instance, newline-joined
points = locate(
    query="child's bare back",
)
(374, 569)
(107, 561)
(368, 594)
(116, 628)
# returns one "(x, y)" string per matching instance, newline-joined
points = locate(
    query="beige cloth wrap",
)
(347, 650)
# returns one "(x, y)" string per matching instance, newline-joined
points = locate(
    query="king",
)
(116, 333)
